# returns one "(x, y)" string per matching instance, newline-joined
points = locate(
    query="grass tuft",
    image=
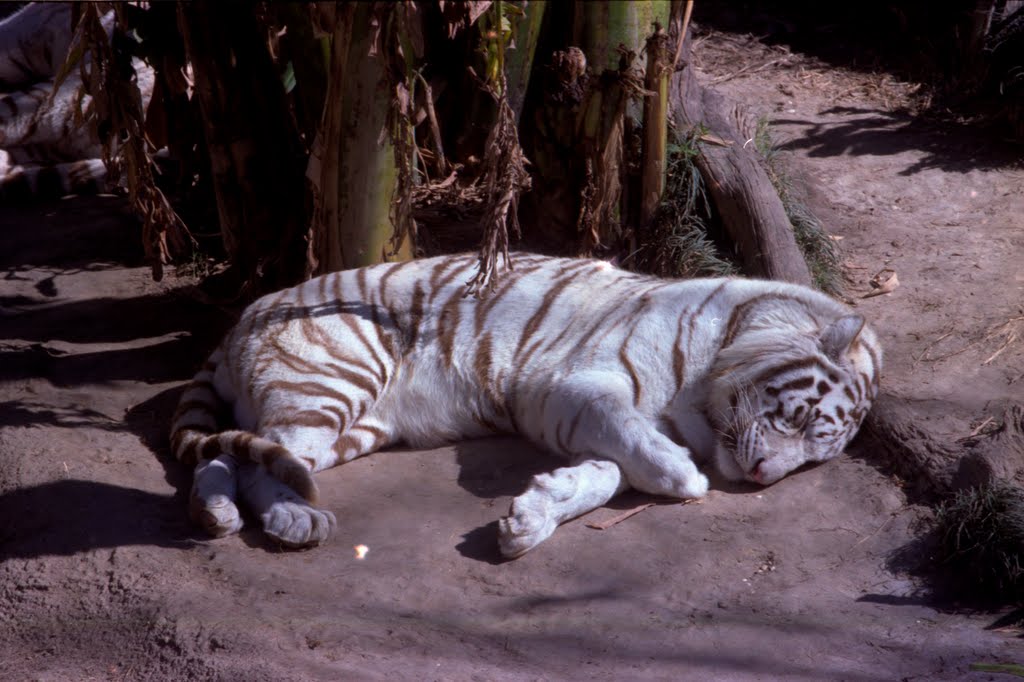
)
(981, 537)
(819, 249)
(678, 244)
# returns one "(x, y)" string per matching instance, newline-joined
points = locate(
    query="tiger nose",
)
(756, 472)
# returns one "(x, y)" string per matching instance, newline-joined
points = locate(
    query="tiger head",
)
(783, 397)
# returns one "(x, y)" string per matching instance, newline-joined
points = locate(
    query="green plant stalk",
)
(519, 61)
(1008, 668)
(600, 27)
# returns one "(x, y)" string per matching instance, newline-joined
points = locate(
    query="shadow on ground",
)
(71, 516)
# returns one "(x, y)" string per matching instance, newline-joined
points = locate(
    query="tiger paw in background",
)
(44, 151)
(633, 379)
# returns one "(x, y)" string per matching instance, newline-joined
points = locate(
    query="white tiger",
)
(43, 153)
(630, 377)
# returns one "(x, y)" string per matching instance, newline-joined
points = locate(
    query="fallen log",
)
(742, 193)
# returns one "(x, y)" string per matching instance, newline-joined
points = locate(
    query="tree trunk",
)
(352, 165)
(747, 203)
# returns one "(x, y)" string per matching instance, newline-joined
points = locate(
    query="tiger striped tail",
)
(197, 434)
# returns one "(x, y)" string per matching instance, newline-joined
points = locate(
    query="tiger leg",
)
(554, 498)
(212, 500)
(594, 414)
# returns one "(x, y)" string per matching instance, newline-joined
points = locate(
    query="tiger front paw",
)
(529, 522)
(296, 524)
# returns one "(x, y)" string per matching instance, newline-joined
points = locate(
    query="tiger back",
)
(634, 380)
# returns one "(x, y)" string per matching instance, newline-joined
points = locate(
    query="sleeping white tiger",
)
(43, 153)
(630, 377)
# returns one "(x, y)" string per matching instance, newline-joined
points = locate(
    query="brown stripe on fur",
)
(349, 321)
(308, 418)
(486, 423)
(797, 384)
(415, 315)
(269, 455)
(700, 308)
(361, 285)
(307, 388)
(435, 275)
(198, 429)
(319, 337)
(791, 366)
(448, 326)
(357, 380)
(209, 447)
(379, 435)
(737, 318)
(343, 419)
(382, 284)
(596, 342)
(533, 324)
(484, 306)
(678, 357)
(461, 265)
(876, 366)
(283, 356)
(482, 360)
(343, 444)
(628, 364)
(189, 455)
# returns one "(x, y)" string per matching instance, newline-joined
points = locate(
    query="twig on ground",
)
(748, 69)
(877, 531)
(977, 429)
(608, 523)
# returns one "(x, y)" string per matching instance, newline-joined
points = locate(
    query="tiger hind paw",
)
(217, 515)
(296, 524)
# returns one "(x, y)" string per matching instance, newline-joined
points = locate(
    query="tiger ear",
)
(837, 337)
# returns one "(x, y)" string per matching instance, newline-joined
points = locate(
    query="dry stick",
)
(687, 11)
(924, 354)
(877, 531)
(750, 68)
(435, 129)
(976, 430)
(605, 525)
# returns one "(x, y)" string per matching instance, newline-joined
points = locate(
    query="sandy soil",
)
(103, 578)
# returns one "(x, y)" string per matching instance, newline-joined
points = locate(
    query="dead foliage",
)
(116, 111)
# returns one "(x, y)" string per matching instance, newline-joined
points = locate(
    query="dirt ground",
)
(102, 577)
